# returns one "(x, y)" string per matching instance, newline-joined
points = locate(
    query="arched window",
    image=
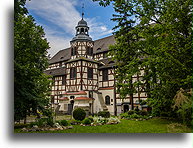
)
(71, 97)
(78, 31)
(82, 30)
(107, 100)
(86, 31)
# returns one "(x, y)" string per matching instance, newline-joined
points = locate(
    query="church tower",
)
(81, 69)
(82, 44)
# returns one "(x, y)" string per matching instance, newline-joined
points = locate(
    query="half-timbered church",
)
(83, 76)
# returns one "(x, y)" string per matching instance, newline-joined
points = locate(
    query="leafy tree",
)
(31, 85)
(154, 35)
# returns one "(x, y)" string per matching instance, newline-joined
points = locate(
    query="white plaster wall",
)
(110, 93)
(96, 107)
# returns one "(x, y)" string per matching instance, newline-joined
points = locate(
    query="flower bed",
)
(101, 121)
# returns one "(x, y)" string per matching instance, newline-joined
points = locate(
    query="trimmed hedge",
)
(64, 122)
(79, 114)
(87, 121)
(105, 114)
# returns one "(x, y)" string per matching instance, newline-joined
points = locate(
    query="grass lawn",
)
(155, 125)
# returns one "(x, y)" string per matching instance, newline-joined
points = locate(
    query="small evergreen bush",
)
(105, 114)
(79, 114)
(131, 112)
(64, 122)
(87, 121)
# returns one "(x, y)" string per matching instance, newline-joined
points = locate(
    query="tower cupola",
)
(82, 30)
(82, 44)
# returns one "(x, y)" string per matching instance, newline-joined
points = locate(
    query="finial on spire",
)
(82, 10)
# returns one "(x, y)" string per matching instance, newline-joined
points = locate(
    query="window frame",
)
(107, 100)
(90, 73)
(105, 75)
(90, 51)
(73, 73)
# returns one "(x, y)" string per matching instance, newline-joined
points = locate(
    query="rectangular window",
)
(90, 73)
(73, 73)
(64, 80)
(89, 51)
(105, 75)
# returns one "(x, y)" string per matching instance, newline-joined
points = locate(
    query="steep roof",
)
(62, 55)
(100, 45)
(56, 72)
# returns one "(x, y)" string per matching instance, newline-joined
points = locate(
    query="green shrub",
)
(131, 112)
(143, 102)
(100, 120)
(91, 119)
(137, 110)
(124, 115)
(74, 122)
(21, 125)
(87, 121)
(50, 121)
(40, 122)
(64, 122)
(143, 113)
(105, 114)
(136, 116)
(79, 114)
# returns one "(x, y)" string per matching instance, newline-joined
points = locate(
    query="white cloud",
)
(57, 43)
(63, 16)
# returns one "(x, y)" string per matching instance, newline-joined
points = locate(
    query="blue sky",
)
(60, 17)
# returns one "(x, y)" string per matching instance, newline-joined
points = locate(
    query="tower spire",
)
(82, 10)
